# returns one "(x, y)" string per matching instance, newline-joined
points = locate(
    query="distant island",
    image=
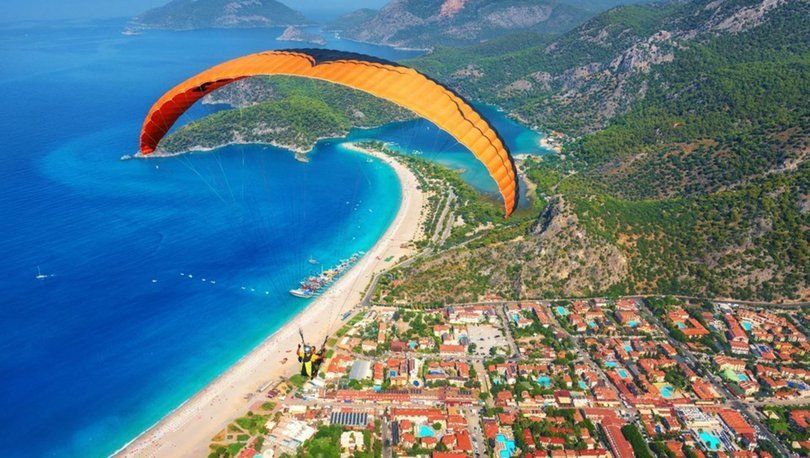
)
(200, 14)
(291, 113)
(293, 33)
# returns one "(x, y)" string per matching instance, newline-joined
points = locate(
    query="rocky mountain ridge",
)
(428, 23)
(198, 14)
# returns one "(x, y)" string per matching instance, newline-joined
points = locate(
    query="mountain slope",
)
(426, 23)
(290, 112)
(688, 169)
(197, 14)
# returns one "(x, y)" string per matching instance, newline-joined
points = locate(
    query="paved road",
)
(385, 437)
(476, 433)
(781, 402)
(736, 404)
(513, 348)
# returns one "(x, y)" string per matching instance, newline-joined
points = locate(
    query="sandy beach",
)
(187, 430)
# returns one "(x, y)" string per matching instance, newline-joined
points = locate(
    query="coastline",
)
(188, 429)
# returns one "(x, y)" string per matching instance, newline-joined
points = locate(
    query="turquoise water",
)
(710, 441)
(628, 347)
(623, 373)
(667, 391)
(742, 377)
(562, 311)
(592, 324)
(583, 385)
(747, 325)
(680, 325)
(425, 431)
(544, 381)
(117, 337)
(611, 364)
(426, 140)
(510, 447)
(632, 323)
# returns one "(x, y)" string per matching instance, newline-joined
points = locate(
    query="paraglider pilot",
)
(310, 359)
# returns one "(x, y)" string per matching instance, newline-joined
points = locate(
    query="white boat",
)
(312, 260)
(302, 293)
(40, 275)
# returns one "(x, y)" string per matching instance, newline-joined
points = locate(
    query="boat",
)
(302, 293)
(312, 260)
(314, 284)
(40, 275)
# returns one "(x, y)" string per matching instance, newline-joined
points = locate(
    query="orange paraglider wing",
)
(390, 81)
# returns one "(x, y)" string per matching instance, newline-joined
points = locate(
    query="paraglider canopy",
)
(387, 80)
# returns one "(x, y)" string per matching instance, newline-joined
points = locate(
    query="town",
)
(644, 377)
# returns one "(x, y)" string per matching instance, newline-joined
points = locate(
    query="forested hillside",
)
(290, 112)
(197, 14)
(685, 168)
(427, 23)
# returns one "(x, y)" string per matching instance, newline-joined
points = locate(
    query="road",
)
(385, 437)
(476, 433)
(513, 348)
(732, 400)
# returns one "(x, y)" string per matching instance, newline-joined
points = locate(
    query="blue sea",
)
(159, 273)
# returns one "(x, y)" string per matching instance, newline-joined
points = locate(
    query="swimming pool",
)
(710, 441)
(592, 324)
(632, 323)
(667, 391)
(680, 325)
(623, 373)
(509, 446)
(628, 348)
(747, 325)
(583, 385)
(425, 431)
(562, 310)
(611, 364)
(734, 376)
(544, 381)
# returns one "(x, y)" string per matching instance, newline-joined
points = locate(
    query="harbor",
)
(315, 284)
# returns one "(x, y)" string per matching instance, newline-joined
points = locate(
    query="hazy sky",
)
(13, 10)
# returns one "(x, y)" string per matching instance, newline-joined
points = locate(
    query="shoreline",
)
(187, 430)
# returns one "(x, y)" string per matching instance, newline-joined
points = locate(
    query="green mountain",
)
(684, 168)
(427, 23)
(289, 112)
(352, 20)
(198, 14)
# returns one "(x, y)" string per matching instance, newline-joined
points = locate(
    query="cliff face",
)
(426, 23)
(558, 257)
(581, 80)
(197, 14)
(688, 173)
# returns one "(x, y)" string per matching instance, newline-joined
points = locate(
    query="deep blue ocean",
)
(160, 273)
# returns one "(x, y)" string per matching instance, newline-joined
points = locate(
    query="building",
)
(288, 435)
(349, 419)
(360, 370)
